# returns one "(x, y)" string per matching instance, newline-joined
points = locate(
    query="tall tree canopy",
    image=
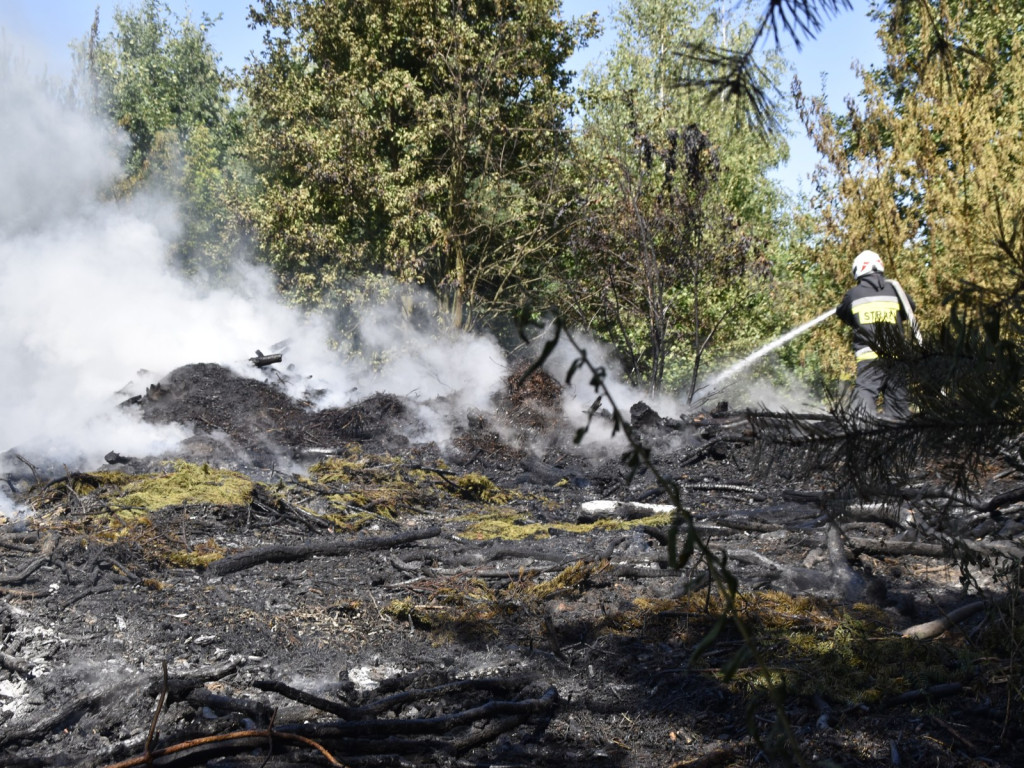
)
(418, 139)
(679, 209)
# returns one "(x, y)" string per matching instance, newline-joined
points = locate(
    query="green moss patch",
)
(477, 487)
(186, 484)
(356, 467)
(513, 526)
(199, 556)
(808, 647)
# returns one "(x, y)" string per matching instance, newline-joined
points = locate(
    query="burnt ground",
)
(304, 587)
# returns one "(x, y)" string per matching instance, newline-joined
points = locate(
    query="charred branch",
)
(14, 664)
(329, 548)
(25, 572)
(198, 751)
(178, 687)
(70, 713)
(262, 361)
(924, 694)
(331, 731)
(895, 547)
(309, 699)
(393, 701)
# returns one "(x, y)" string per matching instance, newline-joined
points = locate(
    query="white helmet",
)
(867, 261)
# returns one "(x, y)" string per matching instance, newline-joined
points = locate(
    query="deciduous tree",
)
(673, 239)
(416, 139)
(157, 77)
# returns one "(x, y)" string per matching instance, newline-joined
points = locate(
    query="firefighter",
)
(872, 304)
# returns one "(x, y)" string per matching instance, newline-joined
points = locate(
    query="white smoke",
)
(91, 304)
(93, 311)
(753, 389)
(603, 369)
(783, 393)
(65, 312)
(448, 373)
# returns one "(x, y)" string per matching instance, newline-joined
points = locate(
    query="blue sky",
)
(44, 28)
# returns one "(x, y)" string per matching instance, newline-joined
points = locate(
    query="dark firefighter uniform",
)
(872, 303)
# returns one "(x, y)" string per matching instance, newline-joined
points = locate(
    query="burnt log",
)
(262, 361)
(895, 547)
(71, 713)
(993, 505)
(25, 572)
(14, 664)
(113, 457)
(328, 548)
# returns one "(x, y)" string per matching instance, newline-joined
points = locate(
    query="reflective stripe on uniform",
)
(867, 353)
(876, 309)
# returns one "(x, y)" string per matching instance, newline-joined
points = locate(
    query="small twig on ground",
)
(258, 736)
(29, 464)
(97, 590)
(718, 757)
(25, 594)
(309, 699)
(429, 725)
(159, 708)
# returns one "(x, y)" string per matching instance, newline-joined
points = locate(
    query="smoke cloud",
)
(93, 311)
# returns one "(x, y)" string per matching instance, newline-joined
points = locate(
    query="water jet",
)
(707, 390)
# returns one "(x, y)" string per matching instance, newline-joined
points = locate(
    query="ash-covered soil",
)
(330, 587)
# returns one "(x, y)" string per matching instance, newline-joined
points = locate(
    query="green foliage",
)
(727, 73)
(929, 171)
(669, 253)
(157, 77)
(417, 139)
(151, 78)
